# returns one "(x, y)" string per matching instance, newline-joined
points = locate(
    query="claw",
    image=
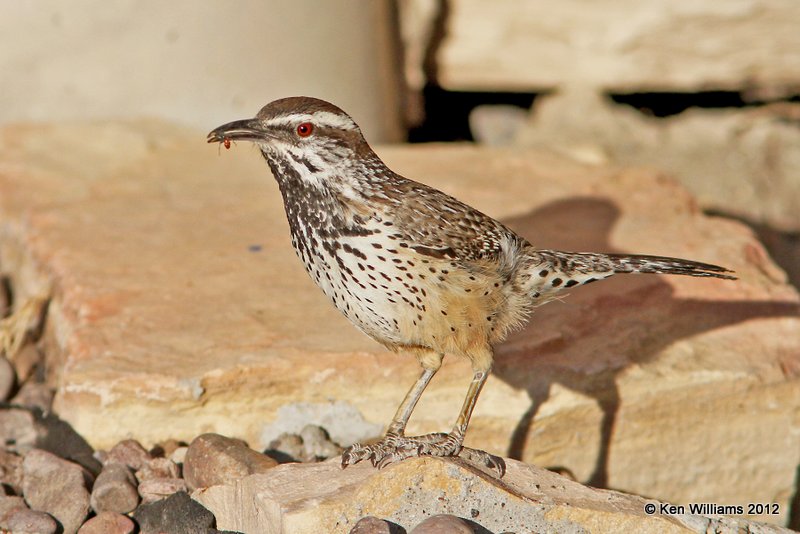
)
(394, 448)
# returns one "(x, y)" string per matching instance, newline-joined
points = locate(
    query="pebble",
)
(11, 471)
(34, 395)
(177, 514)
(128, 452)
(158, 468)
(371, 525)
(108, 523)
(317, 445)
(8, 377)
(56, 486)
(26, 521)
(312, 445)
(286, 448)
(53, 466)
(179, 455)
(213, 459)
(9, 503)
(154, 489)
(17, 429)
(443, 524)
(115, 490)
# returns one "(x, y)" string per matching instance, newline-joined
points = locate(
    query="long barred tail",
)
(624, 263)
(549, 271)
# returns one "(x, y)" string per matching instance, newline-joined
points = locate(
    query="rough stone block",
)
(178, 308)
(323, 498)
(624, 46)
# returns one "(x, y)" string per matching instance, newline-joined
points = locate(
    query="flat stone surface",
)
(625, 46)
(179, 308)
(738, 161)
(300, 498)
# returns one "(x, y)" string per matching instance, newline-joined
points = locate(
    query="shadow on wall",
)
(554, 350)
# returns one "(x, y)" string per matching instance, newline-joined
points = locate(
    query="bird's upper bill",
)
(246, 129)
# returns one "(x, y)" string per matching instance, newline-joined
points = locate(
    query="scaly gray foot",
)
(394, 448)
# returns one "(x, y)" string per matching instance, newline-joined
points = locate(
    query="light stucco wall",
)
(198, 63)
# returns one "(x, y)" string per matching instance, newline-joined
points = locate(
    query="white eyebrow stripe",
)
(321, 118)
(326, 118)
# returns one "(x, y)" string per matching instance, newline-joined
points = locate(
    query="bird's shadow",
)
(640, 316)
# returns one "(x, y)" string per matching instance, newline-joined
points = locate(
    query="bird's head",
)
(310, 136)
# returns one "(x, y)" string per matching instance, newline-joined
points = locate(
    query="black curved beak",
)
(244, 130)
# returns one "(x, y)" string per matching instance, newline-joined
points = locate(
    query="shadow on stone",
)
(585, 224)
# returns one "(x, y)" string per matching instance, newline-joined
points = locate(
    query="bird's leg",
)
(396, 446)
(400, 420)
(441, 444)
(395, 435)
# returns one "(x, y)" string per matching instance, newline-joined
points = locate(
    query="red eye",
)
(305, 129)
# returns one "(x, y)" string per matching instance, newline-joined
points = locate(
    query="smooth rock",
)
(154, 489)
(443, 524)
(128, 452)
(371, 525)
(115, 490)
(177, 514)
(213, 459)
(26, 521)
(11, 470)
(56, 486)
(108, 523)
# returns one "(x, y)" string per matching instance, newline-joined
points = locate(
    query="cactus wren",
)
(410, 266)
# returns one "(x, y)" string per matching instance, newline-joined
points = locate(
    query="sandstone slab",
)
(624, 46)
(306, 498)
(178, 308)
(741, 162)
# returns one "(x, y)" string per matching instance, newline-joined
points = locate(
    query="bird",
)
(412, 267)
